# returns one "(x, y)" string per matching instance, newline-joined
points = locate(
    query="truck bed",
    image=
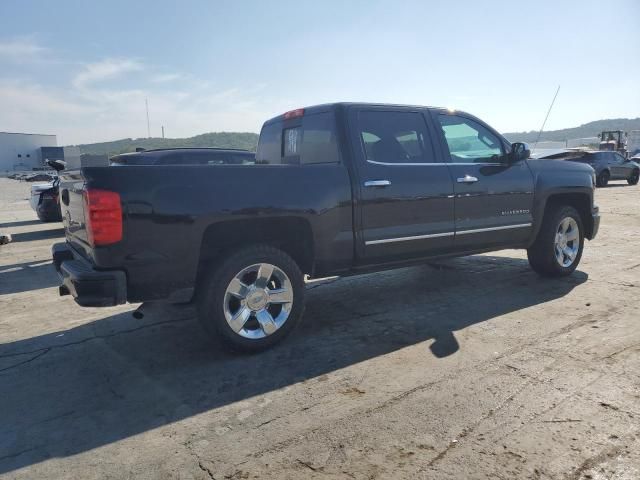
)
(179, 203)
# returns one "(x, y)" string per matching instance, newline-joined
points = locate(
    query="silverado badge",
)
(515, 212)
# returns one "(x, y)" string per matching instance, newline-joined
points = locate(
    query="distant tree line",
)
(591, 129)
(244, 140)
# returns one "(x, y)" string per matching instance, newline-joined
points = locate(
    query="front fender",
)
(558, 180)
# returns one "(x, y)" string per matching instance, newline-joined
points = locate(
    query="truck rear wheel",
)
(603, 179)
(253, 299)
(558, 247)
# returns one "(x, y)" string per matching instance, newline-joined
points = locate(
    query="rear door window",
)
(618, 159)
(394, 137)
(269, 150)
(313, 141)
(319, 142)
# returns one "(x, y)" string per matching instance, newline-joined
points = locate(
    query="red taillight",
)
(299, 112)
(103, 216)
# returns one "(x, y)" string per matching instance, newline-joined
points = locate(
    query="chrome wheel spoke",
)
(280, 295)
(566, 243)
(264, 275)
(237, 288)
(266, 321)
(246, 303)
(239, 320)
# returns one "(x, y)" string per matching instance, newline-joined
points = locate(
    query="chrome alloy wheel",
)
(258, 301)
(567, 242)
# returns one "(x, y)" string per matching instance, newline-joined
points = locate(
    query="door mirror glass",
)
(520, 151)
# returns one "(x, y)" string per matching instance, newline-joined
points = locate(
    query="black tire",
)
(47, 218)
(542, 254)
(603, 179)
(211, 297)
(633, 179)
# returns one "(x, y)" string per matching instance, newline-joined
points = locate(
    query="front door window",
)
(469, 141)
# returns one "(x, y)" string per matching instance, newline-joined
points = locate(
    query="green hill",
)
(591, 129)
(244, 140)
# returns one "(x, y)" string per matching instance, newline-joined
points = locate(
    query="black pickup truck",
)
(335, 189)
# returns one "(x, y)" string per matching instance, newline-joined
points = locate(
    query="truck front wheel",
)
(557, 250)
(253, 299)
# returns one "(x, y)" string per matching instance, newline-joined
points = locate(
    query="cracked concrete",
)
(472, 368)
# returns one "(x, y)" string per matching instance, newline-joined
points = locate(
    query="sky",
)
(82, 70)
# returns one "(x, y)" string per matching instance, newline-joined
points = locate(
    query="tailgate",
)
(72, 185)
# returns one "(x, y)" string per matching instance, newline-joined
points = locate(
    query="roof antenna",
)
(146, 104)
(545, 118)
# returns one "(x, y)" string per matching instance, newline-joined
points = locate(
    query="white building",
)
(24, 151)
(72, 158)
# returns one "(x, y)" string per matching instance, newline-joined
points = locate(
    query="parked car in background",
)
(607, 165)
(36, 190)
(45, 199)
(48, 206)
(37, 177)
(336, 189)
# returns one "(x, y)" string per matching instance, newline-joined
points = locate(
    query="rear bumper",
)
(89, 287)
(595, 223)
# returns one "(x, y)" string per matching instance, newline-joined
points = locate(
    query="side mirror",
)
(520, 151)
(57, 165)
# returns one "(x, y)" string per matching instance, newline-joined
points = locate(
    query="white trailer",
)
(633, 142)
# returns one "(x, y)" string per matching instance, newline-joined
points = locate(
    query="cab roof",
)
(325, 107)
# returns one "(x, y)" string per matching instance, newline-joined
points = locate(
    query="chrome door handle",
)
(467, 179)
(377, 183)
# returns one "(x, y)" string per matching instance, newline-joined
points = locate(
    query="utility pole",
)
(146, 104)
(162, 131)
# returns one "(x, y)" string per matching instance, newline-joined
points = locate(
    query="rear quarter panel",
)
(72, 208)
(167, 209)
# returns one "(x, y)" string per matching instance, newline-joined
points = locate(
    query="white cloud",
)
(105, 100)
(17, 97)
(95, 113)
(20, 48)
(104, 70)
(167, 77)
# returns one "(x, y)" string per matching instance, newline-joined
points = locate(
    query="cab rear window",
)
(312, 141)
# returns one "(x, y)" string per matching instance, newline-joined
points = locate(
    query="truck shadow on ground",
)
(22, 277)
(20, 223)
(75, 390)
(38, 235)
(617, 185)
